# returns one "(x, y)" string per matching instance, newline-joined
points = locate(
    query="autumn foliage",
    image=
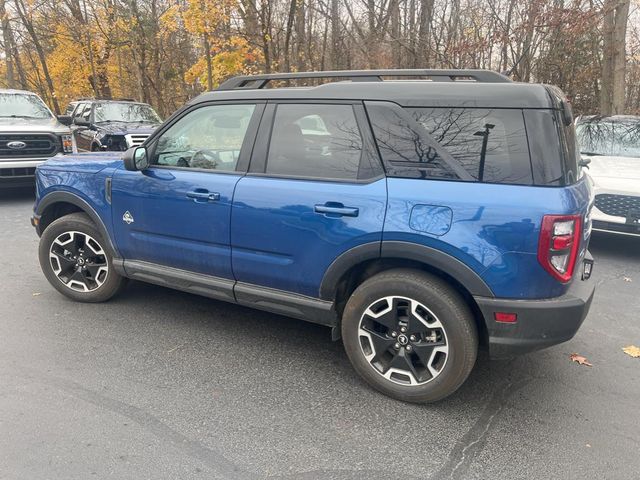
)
(166, 51)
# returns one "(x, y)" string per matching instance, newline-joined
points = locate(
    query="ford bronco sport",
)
(29, 134)
(418, 219)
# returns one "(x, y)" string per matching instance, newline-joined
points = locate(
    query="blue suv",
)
(418, 213)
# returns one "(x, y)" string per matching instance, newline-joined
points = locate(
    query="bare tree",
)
(612, 94)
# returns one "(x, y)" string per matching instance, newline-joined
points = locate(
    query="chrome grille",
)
(36, 145)
(135, 139)
(618, 205)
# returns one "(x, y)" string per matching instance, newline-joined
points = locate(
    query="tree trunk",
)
(8, 42)
(619, 57)
(336, 35)
(28, 25)
(301, 39)
(207, 53)
(287, 35)
(612, 88)
(424, 31)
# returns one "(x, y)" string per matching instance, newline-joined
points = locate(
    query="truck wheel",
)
(410, 335)
(74, 259)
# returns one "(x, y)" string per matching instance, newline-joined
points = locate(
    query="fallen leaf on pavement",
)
(626, 279)
(632, 351)
(579, 359)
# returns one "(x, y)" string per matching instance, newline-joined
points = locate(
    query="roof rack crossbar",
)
(261, 81)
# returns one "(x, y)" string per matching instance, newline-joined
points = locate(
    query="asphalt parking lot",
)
(162, 384)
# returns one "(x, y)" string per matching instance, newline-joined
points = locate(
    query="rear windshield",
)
(472, 144)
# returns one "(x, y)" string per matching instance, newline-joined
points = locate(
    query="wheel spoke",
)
(381, 343)
(424, 350)
(402, 361)
(93, 270)
(77, 276)
(64, 262)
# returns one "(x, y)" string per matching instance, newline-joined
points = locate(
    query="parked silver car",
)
(612, 144)
(29, 135)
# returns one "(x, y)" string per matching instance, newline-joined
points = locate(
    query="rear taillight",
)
(559, 243)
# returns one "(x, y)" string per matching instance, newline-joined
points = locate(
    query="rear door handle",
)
(201, 196)
(333, 209)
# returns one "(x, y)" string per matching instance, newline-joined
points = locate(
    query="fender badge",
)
(127, 218)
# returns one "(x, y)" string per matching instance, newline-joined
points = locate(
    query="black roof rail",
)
(261, 81)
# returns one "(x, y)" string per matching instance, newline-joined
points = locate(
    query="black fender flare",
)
(444, 262)
(68, 197)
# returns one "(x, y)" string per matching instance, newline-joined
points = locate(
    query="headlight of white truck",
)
(67, 143)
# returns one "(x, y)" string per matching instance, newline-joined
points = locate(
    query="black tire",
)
(106, 283)
(452, 348)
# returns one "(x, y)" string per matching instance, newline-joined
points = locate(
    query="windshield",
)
(21, 105)
(620, 138)
(125, 112)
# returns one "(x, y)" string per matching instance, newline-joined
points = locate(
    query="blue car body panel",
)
(280, 241)
(496, 234)
(82, 175)
(169, 227)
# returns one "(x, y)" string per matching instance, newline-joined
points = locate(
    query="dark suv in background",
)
(417, 219)
(112, 124)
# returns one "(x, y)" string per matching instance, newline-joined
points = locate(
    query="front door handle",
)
(335, 209)
(203, 196)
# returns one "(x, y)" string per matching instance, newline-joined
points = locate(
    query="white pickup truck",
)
(29, 134)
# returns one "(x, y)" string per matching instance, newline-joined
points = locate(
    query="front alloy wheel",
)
(79, 261)
(75, 259)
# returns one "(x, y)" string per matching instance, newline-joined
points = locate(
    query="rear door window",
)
(315, 141)
(472, 144)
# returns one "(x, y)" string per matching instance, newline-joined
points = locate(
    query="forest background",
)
(165, 52)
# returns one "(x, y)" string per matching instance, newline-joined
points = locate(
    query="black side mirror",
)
(136, 159)
(81, 122)
(64, 119)
(584, 162)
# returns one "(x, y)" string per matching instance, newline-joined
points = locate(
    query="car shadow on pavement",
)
(272, 335)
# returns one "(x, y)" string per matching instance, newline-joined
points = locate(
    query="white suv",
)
(29, 135)
(612, 144)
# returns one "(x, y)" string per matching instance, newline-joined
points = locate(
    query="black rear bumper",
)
(540, 323)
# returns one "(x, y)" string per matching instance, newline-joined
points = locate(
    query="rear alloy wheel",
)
(403, 340)
(410, 335)
(75, 260)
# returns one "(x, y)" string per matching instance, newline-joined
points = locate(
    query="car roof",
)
(404, 92)
(17, 92)
(113, 101)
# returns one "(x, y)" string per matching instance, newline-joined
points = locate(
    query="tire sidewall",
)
(446, 305)
(79, 223)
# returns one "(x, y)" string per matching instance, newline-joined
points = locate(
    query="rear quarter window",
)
(469, 144)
